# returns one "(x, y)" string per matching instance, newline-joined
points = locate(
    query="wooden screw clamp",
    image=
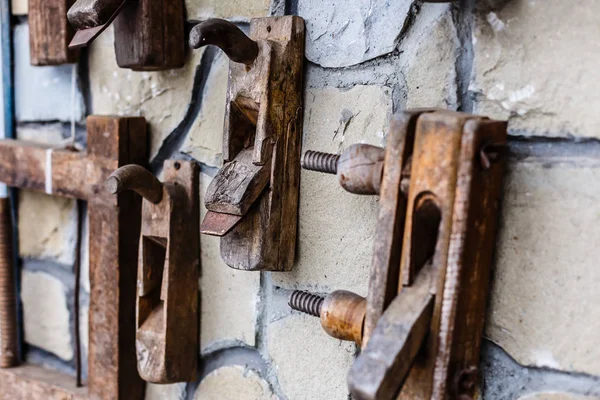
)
(168, 270)
(439, 182)
(149, 34)
(253, 201)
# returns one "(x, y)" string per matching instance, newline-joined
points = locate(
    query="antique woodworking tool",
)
(8, 300)
(439, 182)
(168, 269)
(114, 226)
(50, 33)
(149, 34)
(253, 201)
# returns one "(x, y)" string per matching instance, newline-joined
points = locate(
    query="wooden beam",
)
(50, 33)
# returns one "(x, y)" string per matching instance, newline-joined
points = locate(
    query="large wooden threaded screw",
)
(8, 302)
(342, 313)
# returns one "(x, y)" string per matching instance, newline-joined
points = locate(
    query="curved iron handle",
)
(228, 37)
(136, 178)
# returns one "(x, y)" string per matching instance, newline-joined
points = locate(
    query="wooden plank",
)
(114, 238)
(50, 32)
(33, 382)
(149, 35)
(385, 265)
(385, 362)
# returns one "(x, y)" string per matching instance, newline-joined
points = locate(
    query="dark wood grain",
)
(50, 33)
(237, 186)
(150, 35)
(265, 102)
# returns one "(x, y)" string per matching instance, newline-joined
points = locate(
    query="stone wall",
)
(532, 62)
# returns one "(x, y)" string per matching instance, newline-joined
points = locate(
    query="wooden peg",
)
(149, 34)
(168, 270)
(253, 200)
(50, 33)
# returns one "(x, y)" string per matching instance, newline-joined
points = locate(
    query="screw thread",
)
(8, 323)
(320, 162)
(307, 303)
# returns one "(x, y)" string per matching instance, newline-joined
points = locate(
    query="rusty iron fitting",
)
(8, 302)
(342, 313)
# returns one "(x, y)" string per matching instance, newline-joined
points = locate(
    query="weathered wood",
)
(114, 226)
(237, 185)
(385, 266)
(91, 13)
(384, 363)
(168, 270)
(447, 176)
(29, 382)
(264, 108)
(149, 34)
(50, 33)
(360, 167)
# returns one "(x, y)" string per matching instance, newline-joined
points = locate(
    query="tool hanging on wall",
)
(8, 294)
(149, 34)
(253, 201)
(114, 230)
(50, 33)
(168, 269)
(439, 182)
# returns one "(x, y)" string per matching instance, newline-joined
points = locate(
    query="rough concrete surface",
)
(163, 97)
(535, 63)
(45, 314)
(229, 297)
(234, 382)
(342, 33)
(335, 238)
(544, 303)
(47, 227)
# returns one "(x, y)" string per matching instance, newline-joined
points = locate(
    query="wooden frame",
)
(114, 232)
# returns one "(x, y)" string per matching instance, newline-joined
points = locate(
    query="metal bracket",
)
(149, 34)
(168, 270)
(439, 182)
(253, 201)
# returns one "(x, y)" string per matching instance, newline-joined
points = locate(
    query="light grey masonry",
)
(533, 63)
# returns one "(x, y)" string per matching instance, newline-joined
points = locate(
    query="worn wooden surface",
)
(385, 266)
(168, 273)
(384, 363)
(150, 35)
(31, 382)
(50, 32)
(237, 186)
(445, 165)
(114, 234)
(91, 13)
(360, 167)
(343, 315)
(271, 121)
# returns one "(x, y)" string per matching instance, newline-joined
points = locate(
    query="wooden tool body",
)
(149, 34)
(439, 180)
(168, 270)
(253, 200)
